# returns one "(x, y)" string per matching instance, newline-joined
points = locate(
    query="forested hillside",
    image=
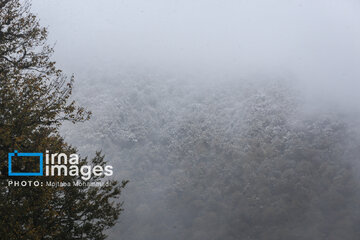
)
(235, 159)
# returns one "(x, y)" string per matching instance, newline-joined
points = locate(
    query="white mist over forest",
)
(317, 42)
(231, 119)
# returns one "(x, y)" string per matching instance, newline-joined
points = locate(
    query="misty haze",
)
(231, 119)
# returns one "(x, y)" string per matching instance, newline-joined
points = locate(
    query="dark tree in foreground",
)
(34, 101)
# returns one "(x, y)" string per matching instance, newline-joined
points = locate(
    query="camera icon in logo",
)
(38, 156)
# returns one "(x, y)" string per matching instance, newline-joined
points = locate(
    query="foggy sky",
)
(317, 43)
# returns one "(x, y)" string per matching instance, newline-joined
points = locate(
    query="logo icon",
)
(16, 154)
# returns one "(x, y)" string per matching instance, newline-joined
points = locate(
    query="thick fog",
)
(229, 118)
(316, 41)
